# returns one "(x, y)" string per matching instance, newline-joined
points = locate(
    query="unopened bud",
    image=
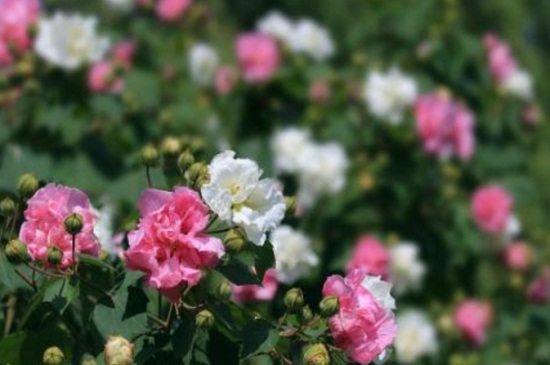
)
(185, 160)
(290, 203)
(223, 291)
(316, 355)
(329, 306)
(149, 156)
(234, 240)
(118, 351)
(73, 223)
(170, 146)
(55, 255)
(27, 185)
(205, 319)
(197, 144)
(307, 314)
(294, 299)
(88, 359)
(16, 252)
(7, 207)
(197, 175)
(53, 356)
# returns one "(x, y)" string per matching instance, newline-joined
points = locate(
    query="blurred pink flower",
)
(518, 255)
(538, 290)
(445, 126)
(473, 318)
(102, 78)
(319, 92)
(501, 61)
(363, 328)
(225, 80)
(169, 244)
(492, 208)
(371, 256)
(172, 10)
(123, 53)
(44, 225)
(16, 18)
(258, 56)
(252, 293)
(531, 115)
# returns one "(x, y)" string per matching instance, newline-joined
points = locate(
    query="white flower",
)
(389, 94)
(288, 146)
(236, 194)
(519, 84)
(381, 290)
(322, 171)
(70, 41)
(103, 228)
(122, 5)
(293, 254)
(407, 271)
(416, 337)
(276, 25)
(312, 39)
(203, 63)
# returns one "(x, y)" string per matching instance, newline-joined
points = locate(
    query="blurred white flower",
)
(407, 271)
(70, 41)
(203, 63)
(293, 254)
(288, 145)
(103, 229)
(123, 5)
(519, 84)
(277, 25)
(236, 194)
(381, 290)
(416, 336)
(389, 94)
(311, 39)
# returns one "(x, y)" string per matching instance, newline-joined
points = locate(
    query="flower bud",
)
(223, 291)
(316, 355)
(294, 299)
(307, 314)
(118, 351)
(149, 156)
(16, 251)
(205, 319)
(170, 146)
(55, 255)
(53, 356)
(234, 240)
(329, 306)
(197, 175)
(73, 224)
(197, 144)
(7, 207)
(88, 359)
(290, 203)
(27, 185)
(185, 160)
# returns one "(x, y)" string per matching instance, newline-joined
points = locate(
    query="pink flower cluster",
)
(44, 225)
(517, 256)
(371, 256)
(492, 208)
(103, 77)
(258, 57)
(16, 18)
(172, 10)
(538, 290)
(473, 318)
(254, 293)
(169, 244)
(363, 327)
(501, 60)
(445, 126)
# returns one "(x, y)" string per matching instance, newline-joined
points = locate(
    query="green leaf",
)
(184, 337)
(238, 273)
(258, 337)
(94, 261)
(9, 280)
(264, 258)
(61, 292)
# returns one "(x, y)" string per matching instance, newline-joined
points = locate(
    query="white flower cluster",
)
(416, 336)
(70, 41)
(519, 84)
(320, 168)
(381, 290)
(389, 94)
(203, 63)
(293, 254)
(302, 37)
(407, 271)
(238, 195)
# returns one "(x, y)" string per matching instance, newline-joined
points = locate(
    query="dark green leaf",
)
(258, 337)
(61, 292)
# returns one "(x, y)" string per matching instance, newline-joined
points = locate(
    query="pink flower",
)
(538, 290)
(473, 318)
(371, 256)
(169, 244)
(44, 225)
(225, 80)
(492, 208)
(518, 256)
(501, 61)
(123, 53)
(172, 10)
(252, 293)
(445, 127)
(16, 17)
(102, 78)
(319, 92)
(531, 115)
(258, 56)
(363, 327)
